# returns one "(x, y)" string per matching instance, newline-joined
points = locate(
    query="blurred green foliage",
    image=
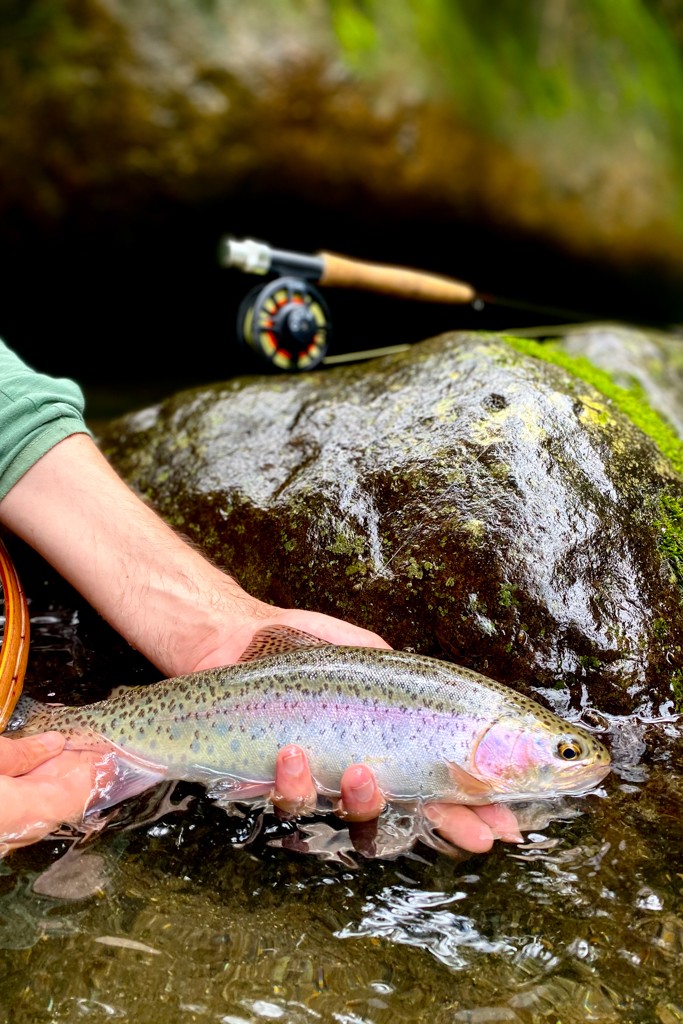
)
(541, 59)
(505, 64)
(565, 114)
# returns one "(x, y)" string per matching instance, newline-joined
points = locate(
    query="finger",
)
(501, 821)
(361, 797)
(461, 825)
(294, 790)
(17, 757)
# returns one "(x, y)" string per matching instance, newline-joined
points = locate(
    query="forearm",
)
(147, 582)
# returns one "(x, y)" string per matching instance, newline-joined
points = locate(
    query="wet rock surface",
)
(462, 499)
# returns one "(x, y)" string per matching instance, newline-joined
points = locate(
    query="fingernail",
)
(509, 837)
(293, 763)
(434, 815)
(51, 741)
(364, 791)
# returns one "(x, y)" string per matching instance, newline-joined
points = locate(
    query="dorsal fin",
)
(278, 640)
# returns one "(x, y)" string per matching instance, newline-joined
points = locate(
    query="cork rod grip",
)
(342, 272)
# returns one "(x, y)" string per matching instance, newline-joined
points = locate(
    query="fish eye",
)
(569, 750)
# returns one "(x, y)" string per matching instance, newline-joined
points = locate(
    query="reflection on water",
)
(186, 923)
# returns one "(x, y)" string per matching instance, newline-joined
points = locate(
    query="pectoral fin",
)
(473, 790)
(229, 790)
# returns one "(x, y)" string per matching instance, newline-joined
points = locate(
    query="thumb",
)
(17, 757)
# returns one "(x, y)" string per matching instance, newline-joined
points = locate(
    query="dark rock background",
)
(533, 150)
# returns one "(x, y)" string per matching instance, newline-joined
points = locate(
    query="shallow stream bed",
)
(186, 923)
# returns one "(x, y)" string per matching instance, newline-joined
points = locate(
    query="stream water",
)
(179, 920)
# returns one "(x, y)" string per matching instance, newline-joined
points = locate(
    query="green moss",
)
(670, 522)
(476, 530)
(347, 544)
(660, 629)
(507, 598)
(632, 402)
(677, 689)
(355, 29)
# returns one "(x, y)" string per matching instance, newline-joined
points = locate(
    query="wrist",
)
(207, 621)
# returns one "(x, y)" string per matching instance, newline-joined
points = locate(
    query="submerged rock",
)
(463, 498)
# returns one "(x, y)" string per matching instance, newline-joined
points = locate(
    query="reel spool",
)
(285, 323)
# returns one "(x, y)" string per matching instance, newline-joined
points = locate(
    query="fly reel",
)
(285, 323)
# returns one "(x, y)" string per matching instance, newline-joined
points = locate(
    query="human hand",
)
(42, 785)
(471, 828)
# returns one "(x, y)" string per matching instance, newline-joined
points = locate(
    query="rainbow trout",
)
(429, 729)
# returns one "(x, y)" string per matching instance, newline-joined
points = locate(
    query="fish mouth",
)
(564, 785)
(592, 776)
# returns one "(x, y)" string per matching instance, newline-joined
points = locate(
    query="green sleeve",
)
(36, 412)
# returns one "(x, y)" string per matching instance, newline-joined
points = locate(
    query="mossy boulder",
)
(464, 498)
(641, 360)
